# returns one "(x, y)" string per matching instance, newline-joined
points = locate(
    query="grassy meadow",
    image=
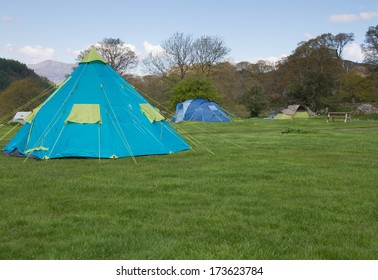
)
(267, 190)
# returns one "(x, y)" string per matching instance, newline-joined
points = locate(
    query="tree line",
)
(315, 74)
(12, 70)
(18, 85)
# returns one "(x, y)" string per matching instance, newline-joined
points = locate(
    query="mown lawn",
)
(270, 190)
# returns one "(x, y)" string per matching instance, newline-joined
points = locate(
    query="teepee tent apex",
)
(92, 56)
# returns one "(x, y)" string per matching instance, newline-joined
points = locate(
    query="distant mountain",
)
(53, 70)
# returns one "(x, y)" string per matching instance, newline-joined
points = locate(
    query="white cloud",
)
(152, 49)
(368, 15)
(29, 54)
(353, 52)
(6, 18)
(343, 18)
(36, 53)
(352, 17)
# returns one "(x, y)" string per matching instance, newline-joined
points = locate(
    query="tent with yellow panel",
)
(95, 113)
(295, 112)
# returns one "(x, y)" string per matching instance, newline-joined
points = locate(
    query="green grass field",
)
(270, 190)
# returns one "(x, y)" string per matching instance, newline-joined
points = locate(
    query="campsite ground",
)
(271, 190)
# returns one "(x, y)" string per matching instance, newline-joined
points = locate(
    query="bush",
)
(192, 88)
(19, 93)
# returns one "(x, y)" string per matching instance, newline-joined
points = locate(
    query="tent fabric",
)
(95, 113)
(295, 112)
(200, 110)
(281, 116)
(92, 56)
(151, 113)
(30, 117)
(84, 113)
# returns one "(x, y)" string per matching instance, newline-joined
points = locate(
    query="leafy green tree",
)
(356, 88)
(11, 70)
(254, 100)
(192, 88)
(313, 70)
(335, 43)
(370, 48)
(340, 41)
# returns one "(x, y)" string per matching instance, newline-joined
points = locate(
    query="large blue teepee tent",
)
(95, 113)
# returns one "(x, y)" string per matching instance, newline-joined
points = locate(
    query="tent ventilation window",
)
(151, 113)
(84, 114)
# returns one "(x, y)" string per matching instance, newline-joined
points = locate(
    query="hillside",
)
(18, 85)
(54, 71)
(12, 70)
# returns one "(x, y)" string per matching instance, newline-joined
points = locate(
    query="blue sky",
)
(33, 31)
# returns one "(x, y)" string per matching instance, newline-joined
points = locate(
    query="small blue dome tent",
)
(95, 113)
(199, 110)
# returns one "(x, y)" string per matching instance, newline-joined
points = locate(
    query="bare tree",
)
(182, 53)
(179, 52)
(177, 56)
(157, 64)
(208, 50)
(118, 55)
